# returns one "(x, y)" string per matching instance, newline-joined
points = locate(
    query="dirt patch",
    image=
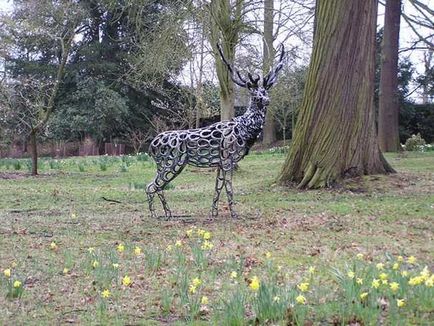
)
(13, 175)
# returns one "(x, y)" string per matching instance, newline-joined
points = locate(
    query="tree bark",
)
(335, 135)
(388, 111)
(269, 133)
(34, 152)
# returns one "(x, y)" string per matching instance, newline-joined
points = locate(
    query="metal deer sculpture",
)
(219, 145)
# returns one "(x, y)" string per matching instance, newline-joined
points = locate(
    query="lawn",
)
(79, 240)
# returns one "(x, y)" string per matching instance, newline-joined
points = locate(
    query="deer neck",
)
(252, 122)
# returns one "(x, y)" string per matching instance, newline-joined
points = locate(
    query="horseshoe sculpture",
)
(219, 145)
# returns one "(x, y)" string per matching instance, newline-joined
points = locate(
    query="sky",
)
(407, 36)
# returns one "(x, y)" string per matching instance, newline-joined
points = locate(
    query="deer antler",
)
(270, 79)
(240, 81)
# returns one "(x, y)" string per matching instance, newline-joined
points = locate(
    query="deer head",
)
(258, 91)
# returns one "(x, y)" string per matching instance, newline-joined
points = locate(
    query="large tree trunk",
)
(335, 135)
(269, 133)
(34, 152)
(388, 131)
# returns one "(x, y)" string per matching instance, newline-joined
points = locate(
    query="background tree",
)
(388, 110)
(335, 134)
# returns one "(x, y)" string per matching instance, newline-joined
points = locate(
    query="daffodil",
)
(411, 260)
(207, 235)
(417, 280)
(351, 274)
(394, 286)
(384, 282)
(268, 255)
(65, 270)
(303, 287)
(359, 281)
(400, 259)
(7, 272)
(91, 250)
(404, 273)
(360, 256)
(192, 289)
(73, 215)
(204, 300)
(17, 284)
(425, 273)
(178, 243)
(95, 264)
(53, 245)
(255, 283)
(383, 276)
(311, 270)
(300, 299)
(400, 303)
(169, 248)
(106, 293)
(196, 281)
(276, 299)
(200, 232)
(430, 282)
(395, 266)
(120, 247)
(127, 280)
(375, 283)
(189, 233)
(207, 245)
(115, 265)
(363, 295)
(234, 274)
(380, 266)
(137, 251)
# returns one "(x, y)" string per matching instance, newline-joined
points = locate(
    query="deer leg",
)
(151, 189)
(219, 183)
(229, 192)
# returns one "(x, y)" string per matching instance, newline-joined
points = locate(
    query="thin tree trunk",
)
(34, 152)
(388, 111)
(269, 133)
(335, 135)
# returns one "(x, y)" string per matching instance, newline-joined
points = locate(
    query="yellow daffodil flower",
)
(17, 284)
(300, 299)
(363, 295)
(53, 245)
(178, 243)
(394, 286)
(207, 245)
(255, 283)
(359, 281)
(127, 280)
(425, 273)
(106, 293)
(137, 251)
(192, 289)
(430, 282)
(200, 232)
(311, 270)
(95, 264)
(169, 248)
(189, 233)
(404, 273)
(400, 259)
(417, 280)
(268, 255)
(375, 283)
(65, 270)
(411, 260)
(360, 256)
(303, 287)
(234, 274)
(395, 266)
(115, 265)
(384, 282)
(276, 299)
(204, 300)
(91, 250)
(207, 235)
(400, 303)
(380, 266)
(383, 276)
(351, 274)
(196, 281)
(120, 247)
(7, 272)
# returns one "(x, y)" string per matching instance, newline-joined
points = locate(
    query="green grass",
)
(380, 216)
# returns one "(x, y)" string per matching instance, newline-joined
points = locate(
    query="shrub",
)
(414, 143)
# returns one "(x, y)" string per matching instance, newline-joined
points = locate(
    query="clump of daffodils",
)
(255, 283)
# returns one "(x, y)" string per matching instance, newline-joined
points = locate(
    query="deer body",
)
(219, 145)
